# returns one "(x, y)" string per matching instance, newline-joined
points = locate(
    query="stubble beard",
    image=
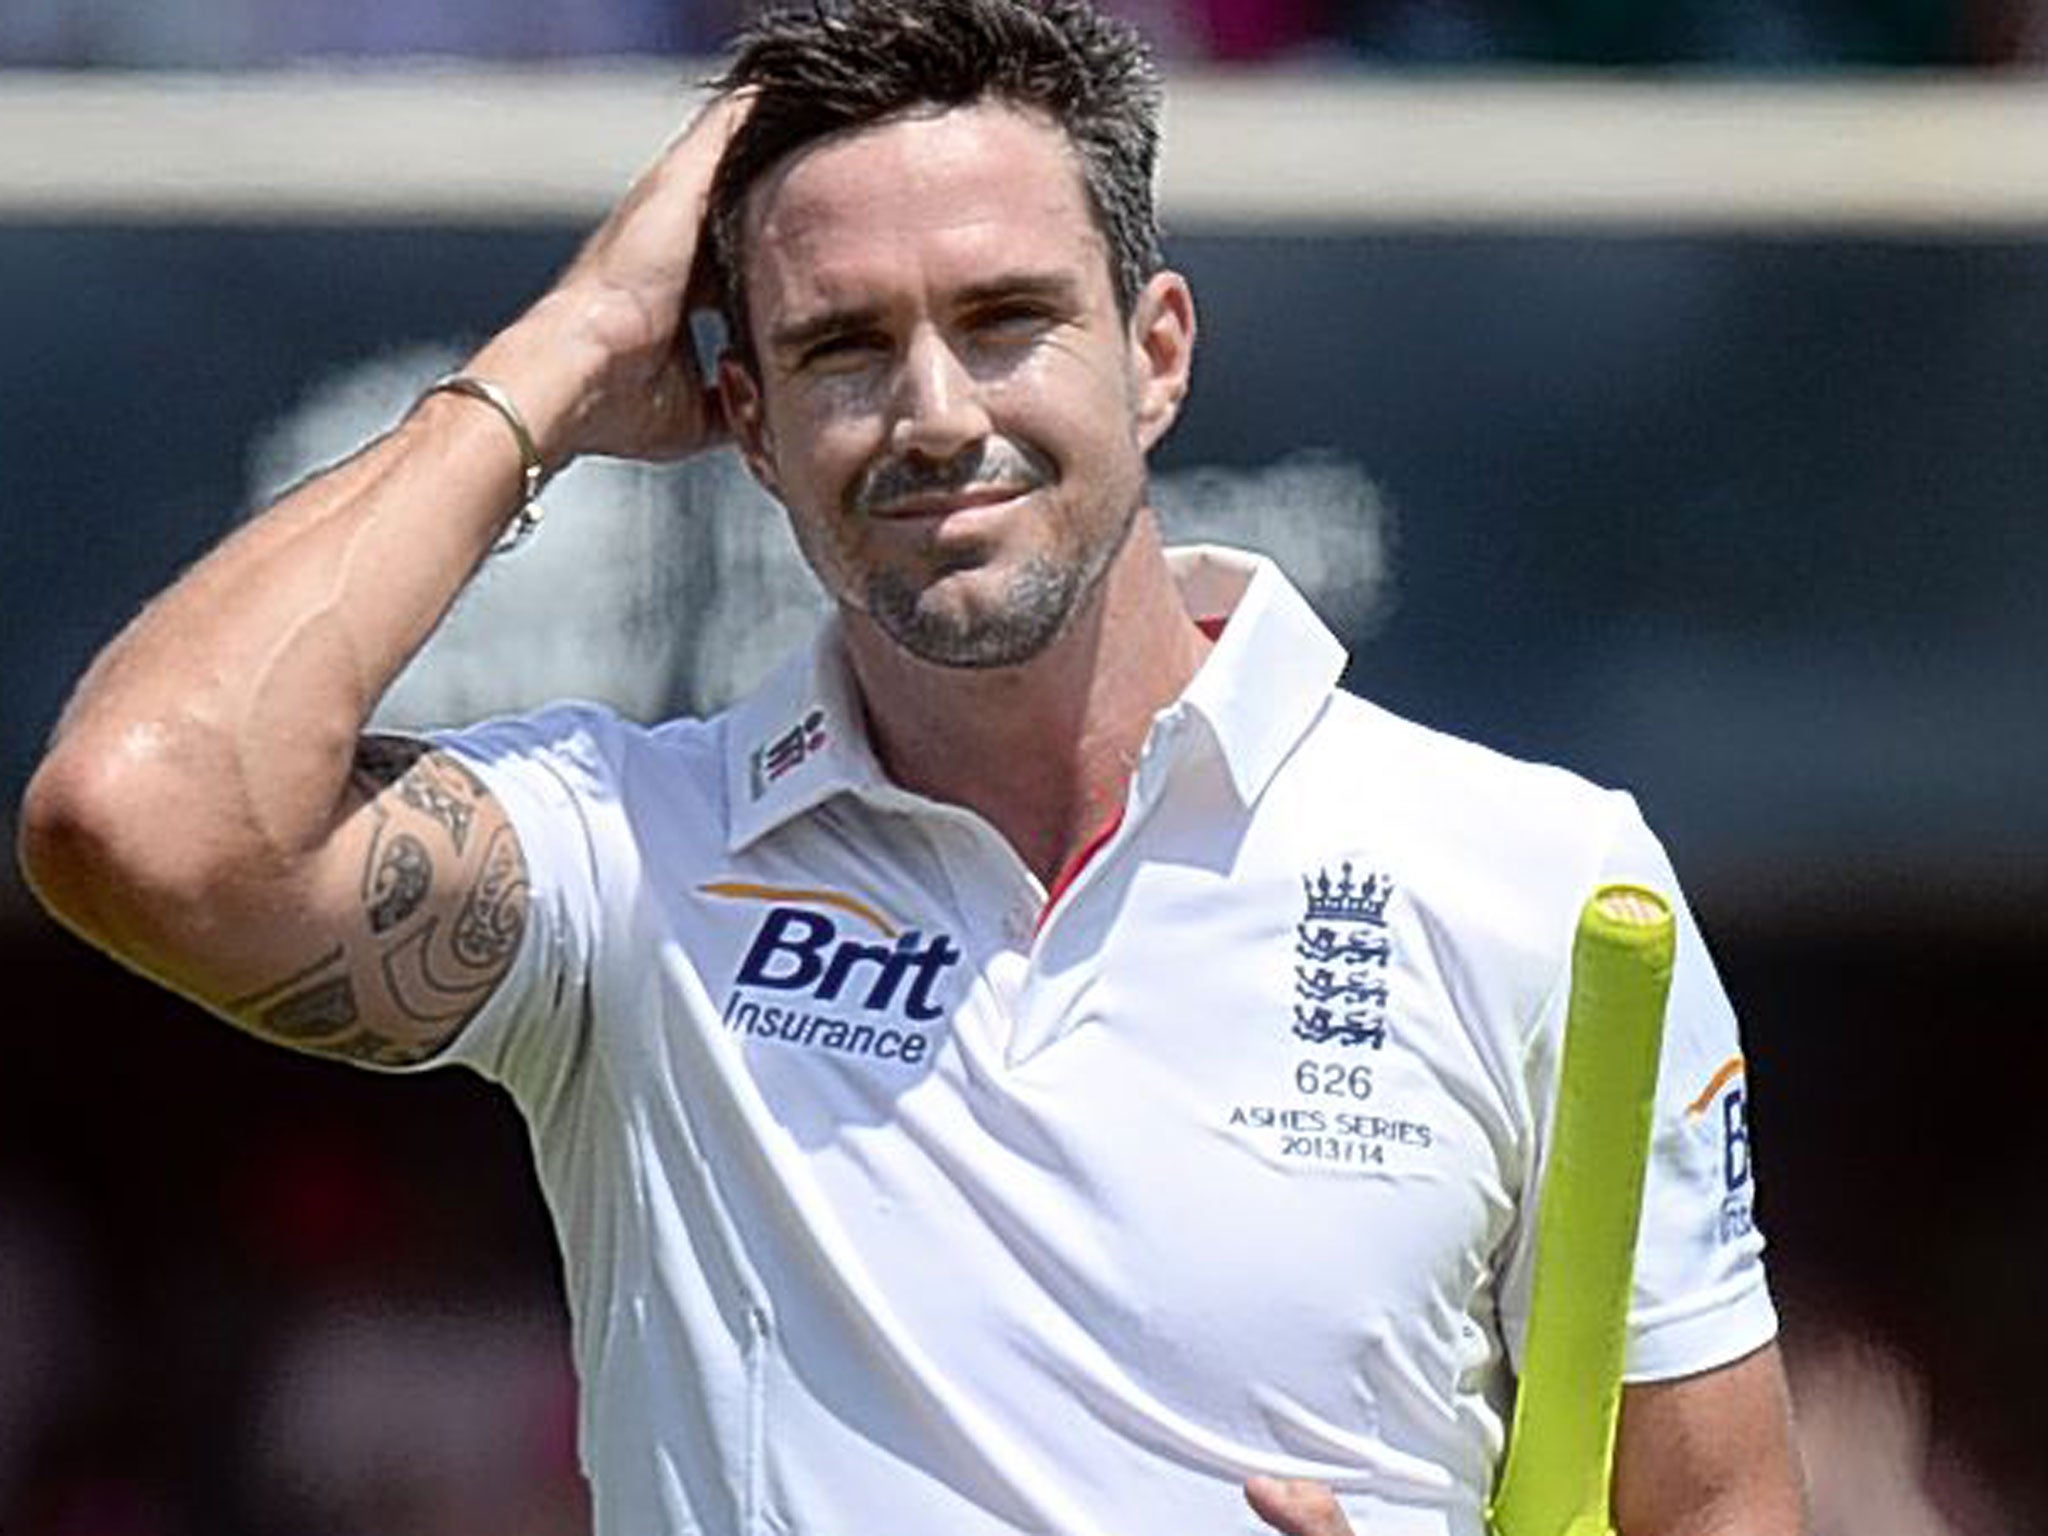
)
(1037, 603)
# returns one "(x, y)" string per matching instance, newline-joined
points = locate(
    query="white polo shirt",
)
(896, 1200)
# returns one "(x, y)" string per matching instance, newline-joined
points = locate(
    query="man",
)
(1047, 1059)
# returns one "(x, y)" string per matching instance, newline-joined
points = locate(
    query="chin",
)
(954, 621)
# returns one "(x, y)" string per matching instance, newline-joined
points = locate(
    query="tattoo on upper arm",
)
(315, 1010)
(438, 973)
(494, 916)
(398, 880)
(435, 785)
(443, 913)
(316, 1002)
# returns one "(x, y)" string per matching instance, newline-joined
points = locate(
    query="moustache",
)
(994, 465)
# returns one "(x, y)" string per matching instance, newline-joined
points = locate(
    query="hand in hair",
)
(617, 320)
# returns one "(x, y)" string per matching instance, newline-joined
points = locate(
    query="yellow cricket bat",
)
(1560, 1455)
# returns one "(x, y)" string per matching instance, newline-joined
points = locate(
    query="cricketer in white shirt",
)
(900, 1195)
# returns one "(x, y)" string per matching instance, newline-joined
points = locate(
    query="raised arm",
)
(209, 810)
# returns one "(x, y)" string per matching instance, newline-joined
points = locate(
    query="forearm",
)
(211, 743)
(196, 813)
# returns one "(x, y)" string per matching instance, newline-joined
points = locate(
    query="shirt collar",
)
(1273, 667)
(795, 742)
(800, 738)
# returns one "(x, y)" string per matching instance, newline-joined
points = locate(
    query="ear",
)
(739, 393)
(1162, 352)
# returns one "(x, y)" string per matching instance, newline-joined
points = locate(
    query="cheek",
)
(822, 441)
(1080, 370)
(1070, 402)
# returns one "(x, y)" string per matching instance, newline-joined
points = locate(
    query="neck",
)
(1043, 751)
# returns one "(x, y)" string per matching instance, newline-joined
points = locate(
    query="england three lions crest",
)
(1341, 951)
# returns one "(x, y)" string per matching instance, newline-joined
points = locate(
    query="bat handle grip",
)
(1555, 1481)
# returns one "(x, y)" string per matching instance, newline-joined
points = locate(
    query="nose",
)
(936, 410)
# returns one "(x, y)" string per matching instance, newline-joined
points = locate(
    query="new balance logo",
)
(795, 746)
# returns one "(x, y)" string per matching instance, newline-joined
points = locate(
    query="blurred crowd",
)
(248, 1294)
(1759, 34)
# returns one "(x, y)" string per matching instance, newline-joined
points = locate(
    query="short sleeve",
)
(543, 770)
(1700, 1295)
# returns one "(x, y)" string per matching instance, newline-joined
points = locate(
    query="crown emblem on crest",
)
(1347, 901)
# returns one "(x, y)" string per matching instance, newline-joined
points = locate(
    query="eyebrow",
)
(1020, 285)
(798, 335)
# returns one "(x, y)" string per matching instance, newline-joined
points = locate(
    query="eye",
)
(840, 352)
(1018, 318)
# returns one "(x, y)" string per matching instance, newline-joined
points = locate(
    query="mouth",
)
(943, 504)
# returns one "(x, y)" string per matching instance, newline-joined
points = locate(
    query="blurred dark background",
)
(1748, 522)
(232, 34)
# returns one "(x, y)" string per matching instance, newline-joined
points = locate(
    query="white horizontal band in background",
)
(1878, 153)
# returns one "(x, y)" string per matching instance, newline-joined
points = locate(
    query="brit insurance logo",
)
(1341, 948)
(827, 971)
(1722, 1110)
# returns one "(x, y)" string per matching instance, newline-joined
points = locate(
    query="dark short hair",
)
(828, 67)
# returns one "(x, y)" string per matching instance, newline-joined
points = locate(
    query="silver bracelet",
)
(532, 472)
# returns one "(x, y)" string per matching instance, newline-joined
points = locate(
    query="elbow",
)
(66, 840)
(103, 845)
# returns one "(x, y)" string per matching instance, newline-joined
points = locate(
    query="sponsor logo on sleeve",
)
(827, 971)
(1723, 1107)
